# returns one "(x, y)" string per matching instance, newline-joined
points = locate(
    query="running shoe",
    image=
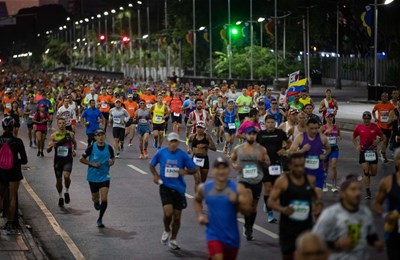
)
(122, 147)
(334, 188)
(165, 237)
(384, 158)
(34, 142)
(67, 198)
(173, 245)
(248, 233)
(129, 144)
(38, 153)
(96, 205)
(61, 202)
(265, 208)
(100, 224)
(155, 144)
(117, 155)
(187, 140)
(141, 156)
(325, 189)
(42, 154)
(271, 217)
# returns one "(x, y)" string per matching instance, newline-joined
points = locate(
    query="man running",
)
(367, 146)
(188, 107)
(99, 157)
(92, 117)
(174, 164)
(105, 104)
(294, 197)
(273, 140)
(64, 144)
(200, 114)
(228, 119)
(29, 111)
(67, 112)
(142, 119)
(224, 198)
(118, 116)
(348, 226)
(383, 108)
(160, 111)
(176, 110)
(249, 159)
(244, 102)
(328, 105)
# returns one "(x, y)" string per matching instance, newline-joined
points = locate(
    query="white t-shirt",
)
(67, 113)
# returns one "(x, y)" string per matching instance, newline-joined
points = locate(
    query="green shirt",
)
(246, 101)
(298, 106)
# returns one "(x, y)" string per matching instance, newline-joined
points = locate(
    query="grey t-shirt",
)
(336, 222)
(31, 108)
(119, 117)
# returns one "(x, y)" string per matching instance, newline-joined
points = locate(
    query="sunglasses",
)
(366, 117)
(274, 103)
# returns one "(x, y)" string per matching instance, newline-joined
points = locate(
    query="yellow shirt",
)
(305, 101)
(159, 114)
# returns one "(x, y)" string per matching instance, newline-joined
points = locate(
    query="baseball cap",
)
(117, 100)
(201, 124)
(221, 161)
(99, 131)
(231, 101)
(130, 96)
(8, 90)
(212, 83)
(172, 136)
(224, 82)
(250, 129)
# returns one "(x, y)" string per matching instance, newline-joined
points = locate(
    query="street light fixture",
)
(99, 16)
(105, 13)
(261, 19)
(238, 22)
(113, 11)
(145, 36)
(202, 28)
(121, 8)
(130, 5)
(81, 21)
(139, 2)
(68, 18)
(86, 20)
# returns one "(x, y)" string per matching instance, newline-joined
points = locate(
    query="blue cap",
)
(250, 129)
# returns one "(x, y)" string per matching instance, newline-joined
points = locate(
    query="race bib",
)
(104, 105)
(384, 117)
(231, 125)
(312, 162)
(142, 121)
(30, 116)
(159, 119)
(117, 120)
(301, 210)
(177, 114)
(246, 109)
(274, 170)
(62, 151)
(8, 105)
(149, 106)
(370, 156)
(330, 110)
(332, 140)
(171, 172)
(250, 171)
(199, 161)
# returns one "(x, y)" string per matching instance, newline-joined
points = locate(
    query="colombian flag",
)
(295, 88)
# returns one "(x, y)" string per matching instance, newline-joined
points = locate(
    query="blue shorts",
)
(319, 178)
(333, 154)
(230, 131)
(143, 129)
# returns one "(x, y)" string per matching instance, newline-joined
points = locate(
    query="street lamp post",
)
(106, 34)
(140, 42)
(148, 38)
(194, 38)
(251, 40)
(261, 21)
(230, 41)
(210, 37)
(338, 81)
(276, 81)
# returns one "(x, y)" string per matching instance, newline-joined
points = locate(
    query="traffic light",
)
(102, 37)
(235, 31)
(125, 39)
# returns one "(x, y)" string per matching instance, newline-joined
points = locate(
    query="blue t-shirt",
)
(102, 173)
(170, 163)
(92, 116)
(187, 103)
(46, 103)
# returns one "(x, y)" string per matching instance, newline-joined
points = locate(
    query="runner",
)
(305, 99)
(296, 104)
(118, 116)
(224, 198)
(200, 114)
(367, 146)
(105, 101)
(99, 157)
(199, 144)
(217, 109)
(15, 112)
(251, 121)
(244, 102)
(384, 108)
(160, 111)
(328, 104)
(29, 111)
(174, 164)
(389, 194)
(393, 122)
(332, 132)
(395, 98)
(67, 112)
(189, 106)
(40, 120)
(8, 99)
(293, 196)
(130, 106)
(228, 119)
(92, 117)
(315, 148)
(262, 114)
(289, 127)
(249, 159)
(142, 119)
(348, 226)
(276, 112)
(64, 145)
(273, 140)
(176, 110)
(308, 110)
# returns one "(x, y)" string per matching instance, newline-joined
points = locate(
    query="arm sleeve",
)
(87, 152)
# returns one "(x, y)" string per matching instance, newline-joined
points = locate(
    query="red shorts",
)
(216, 247)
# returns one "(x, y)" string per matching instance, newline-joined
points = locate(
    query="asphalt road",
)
(134, 216)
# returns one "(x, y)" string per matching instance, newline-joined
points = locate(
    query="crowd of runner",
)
(274, 143)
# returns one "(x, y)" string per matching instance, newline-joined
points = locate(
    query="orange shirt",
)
(7, 103)
(131, 107)
(167, 100)
(250, 92)
(383, 113)
(149, 99)
(176, 105)
(85, 91)
(105, 101)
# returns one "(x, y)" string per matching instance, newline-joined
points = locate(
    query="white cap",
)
(172, 136)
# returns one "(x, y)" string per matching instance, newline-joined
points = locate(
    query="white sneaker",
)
(173, 245)
(164, 238)
(325, 189)
(117, 155)
(334, 189)
(130, 145)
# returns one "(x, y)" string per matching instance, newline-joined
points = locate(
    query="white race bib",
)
(250, 171)
(177, 114)
(30, 116)
(370, 156)
(301, 210)
(231, 125)
(142, 121)
(332, 140)
(8, 105)
(62, 151)
(330, 110)
(104, 105)
(199, 161)
(246, 109)
(117, 120)
(312, 162)
(274, 170)
(384, 117)
(171, 172)
(159, 119)
(149, 106)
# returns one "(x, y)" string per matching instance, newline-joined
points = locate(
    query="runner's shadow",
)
(189, 254)
(75, 212)
(111, 232)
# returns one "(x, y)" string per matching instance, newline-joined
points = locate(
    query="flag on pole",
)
(270, 28)
(366, 18)
(295, 88)
(189, 37)
(294, 77)
(222, 33)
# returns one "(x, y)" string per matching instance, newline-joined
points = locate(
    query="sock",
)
(266, 203)
(66, 190)
(103, 207)
(60, 195)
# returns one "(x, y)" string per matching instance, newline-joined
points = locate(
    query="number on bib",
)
(199, 161)
(370, 156)
(149, 106)
(250, 171)
(117, 120)
(8, 105)
(104, 105)
(231, 125)
(246, 109)
(176, 114)
(312, 162)
(332, 140)
(62, 151)
(274, 170)
(384, 117)
(159, 119)
(171, 172)
(301, 210)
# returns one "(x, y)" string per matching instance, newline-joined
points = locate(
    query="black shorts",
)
(106, 115)
(177, 119)
(206, 164)
(217, 122)
(269, 178)
(96, 186)
(186, 119)
(172, 197)
(387, 133)
(30, 126)
(362, 160)
(119, 133)
(61, 166)
(243, 115)
(159, 127)
(69, 128)
(129, 123)
(255, 189)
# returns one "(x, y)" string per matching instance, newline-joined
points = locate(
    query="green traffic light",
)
(234, 31)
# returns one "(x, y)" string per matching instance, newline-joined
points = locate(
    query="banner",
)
(294, 77)
(270, 28)
(366, 18)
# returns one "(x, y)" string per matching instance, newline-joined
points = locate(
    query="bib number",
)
(250, 171)
(332, 140)
(274, 170)
(199, 161)
(177, 114)
(62, 151)
(384, 117)
(231, 125)
(171, 172)
(142, 121)
(149, 106)
(312, 162)
(370, 156)
(159, 119)
(8, 105)
(117, 120)
(301, 210)
(104, 105)
(246, 109)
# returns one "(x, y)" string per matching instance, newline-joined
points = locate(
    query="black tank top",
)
(300, 198)
(195, 141)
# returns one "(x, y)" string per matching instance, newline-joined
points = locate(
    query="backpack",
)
(6, 157)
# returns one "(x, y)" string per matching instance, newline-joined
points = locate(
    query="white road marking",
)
(189, 196)
(53, 222)
(262, 230)
(82, 142)
(137, 169)
(182, 141)
(220, 151)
